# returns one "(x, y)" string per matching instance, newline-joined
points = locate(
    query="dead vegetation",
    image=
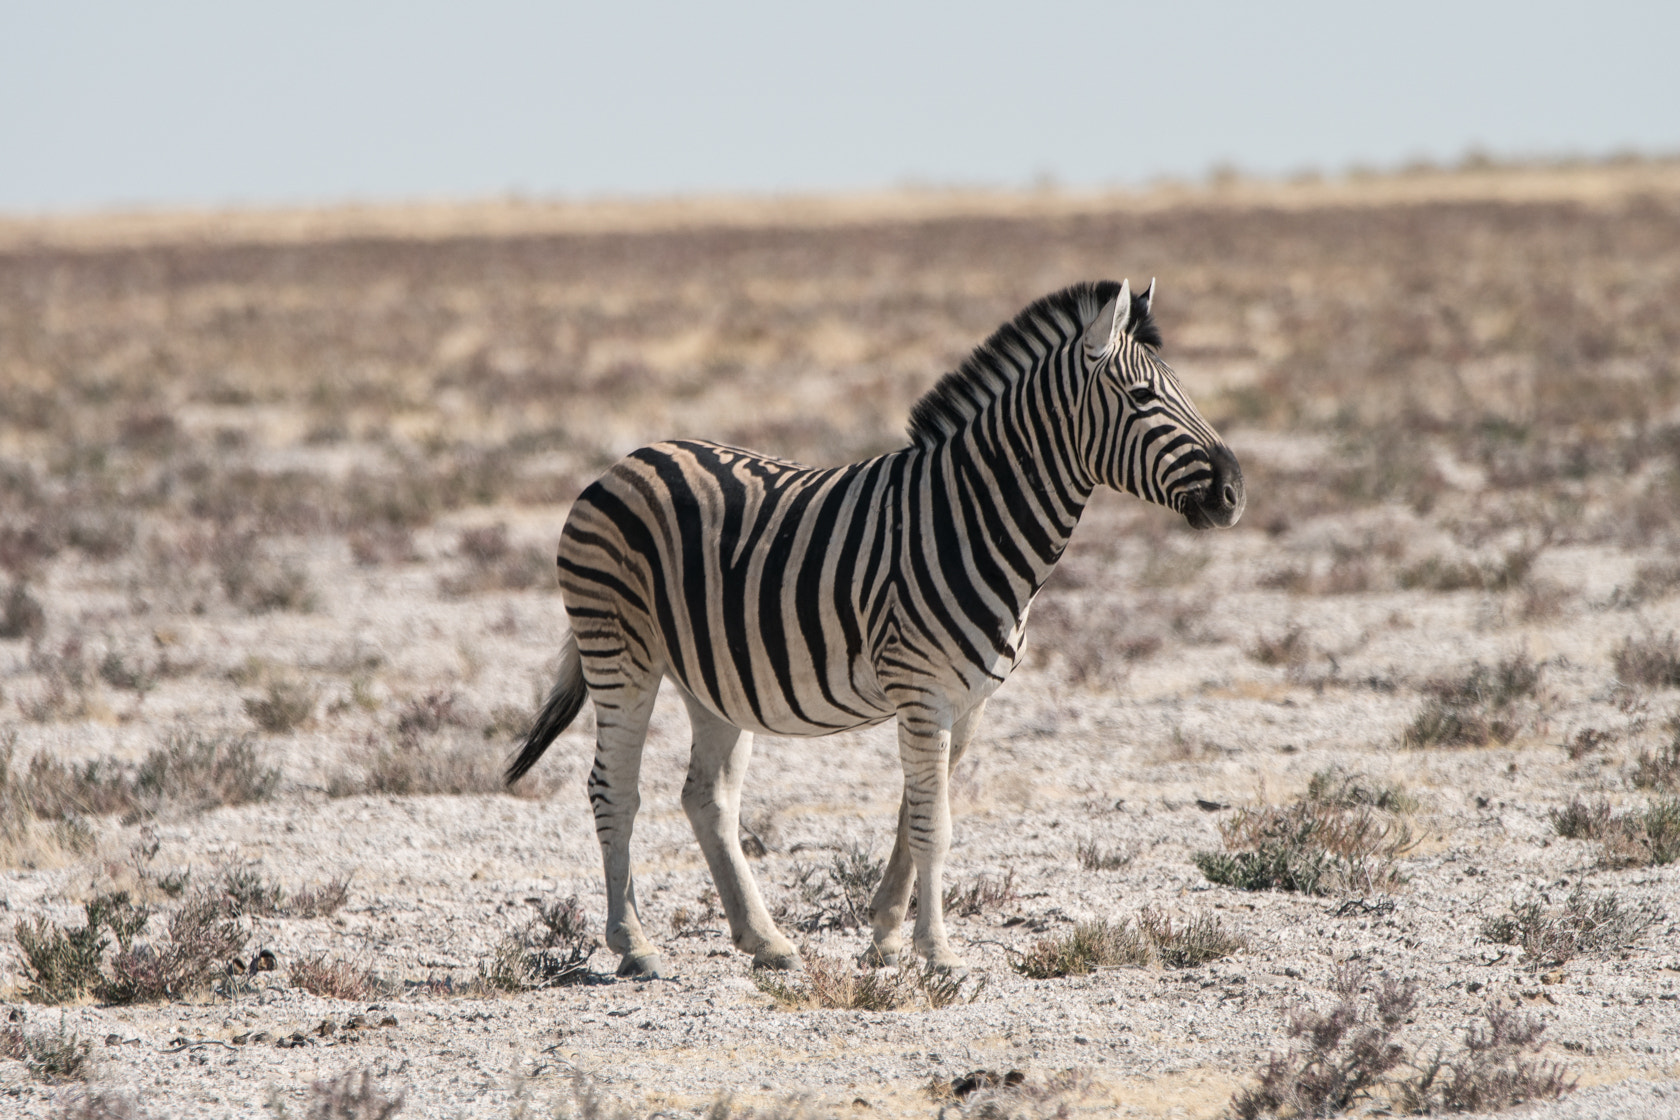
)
(839, 985)
(1352, 1056)
(1635, 838)
(1151, 938)
(55, 1057)
(189, 773)
(1552, 935)
(1345, 835)
(1489, 704)
(550, 950)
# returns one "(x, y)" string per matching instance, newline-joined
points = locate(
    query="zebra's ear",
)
(1148, 297)
(1103, 335)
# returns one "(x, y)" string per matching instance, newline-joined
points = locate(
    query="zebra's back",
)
(751, 580)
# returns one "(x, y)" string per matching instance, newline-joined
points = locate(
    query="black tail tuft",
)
(564, 702)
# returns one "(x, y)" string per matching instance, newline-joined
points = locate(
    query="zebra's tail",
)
(564, 701)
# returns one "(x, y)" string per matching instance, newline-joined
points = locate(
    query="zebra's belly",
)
(838, 703)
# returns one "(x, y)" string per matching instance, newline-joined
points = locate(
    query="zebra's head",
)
(1141, 433)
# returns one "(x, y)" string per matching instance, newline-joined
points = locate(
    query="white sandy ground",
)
(437, 881)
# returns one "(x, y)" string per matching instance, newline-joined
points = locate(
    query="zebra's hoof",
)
(948, 963)
(641, 966)
(877, 957)
(780, 958)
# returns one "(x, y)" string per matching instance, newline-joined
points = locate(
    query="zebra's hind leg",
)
(892, 898)
(621, 720)
(712, 799)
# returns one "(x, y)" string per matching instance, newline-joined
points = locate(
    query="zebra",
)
(788, 600)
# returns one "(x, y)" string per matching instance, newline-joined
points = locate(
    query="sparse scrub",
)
(1151, 938)
(189, 773)
(1550, 936)
(838, 985)
(286, 706)
(58, 1057)
(551, 950)
(985, 894)
(1093, 857)
(1289, 648)
(987, 1095)
(1440, 573)
(1346, 1056)
(1660, 771)
(100, 1104)
(1637, 838)
(1337, 788)
(836, 897)
(1649, 661)
(1314, 846)
(21, 614)
(1353, 1056)
(356, 1095)
(257, 583)
(494, 564)
(1494, 1069)
(1489, 704)
(334, 979)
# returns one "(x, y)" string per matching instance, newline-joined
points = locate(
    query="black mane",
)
(1015, 348)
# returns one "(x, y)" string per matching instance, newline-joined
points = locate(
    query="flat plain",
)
(279, 497)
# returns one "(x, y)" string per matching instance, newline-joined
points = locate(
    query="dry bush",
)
(1345, 1058)
(1151, 938)
(985, 894)
(1338, 788)
(1638, 838)
(378, 544)
(1660, 771)
(21, 614)
(839, 985)
(58, 1057)
(1488, 705)
(1093, 857)
(334, 979)
(434, 747)
(1336, 839)
(189, 773)
(551, 950)
(987, 1095)
(1549, 936)
(355, 1095)
(493, 564)
(1289, 648)
(25, 840)
(1648, 661)
(319, 902)
(835, 897)
(286, 706)
(62, 964)
(1440, 573)
(1494, 1069)
(203, 938)
(1352, 1056)
(258, 583)
(100, 1104)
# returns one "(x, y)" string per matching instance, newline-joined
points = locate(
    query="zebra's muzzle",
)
(1222, 501)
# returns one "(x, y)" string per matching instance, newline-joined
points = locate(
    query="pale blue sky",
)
(172, 102)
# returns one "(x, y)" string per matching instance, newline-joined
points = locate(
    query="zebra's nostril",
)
(1229, 494)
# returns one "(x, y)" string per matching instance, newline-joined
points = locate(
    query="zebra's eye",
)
(1142, 394)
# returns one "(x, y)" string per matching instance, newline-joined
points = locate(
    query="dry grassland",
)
(1389, 771)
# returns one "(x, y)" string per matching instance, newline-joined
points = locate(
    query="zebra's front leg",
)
(892, 898)
(925, 753)
(621, 730)
(711, 797)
